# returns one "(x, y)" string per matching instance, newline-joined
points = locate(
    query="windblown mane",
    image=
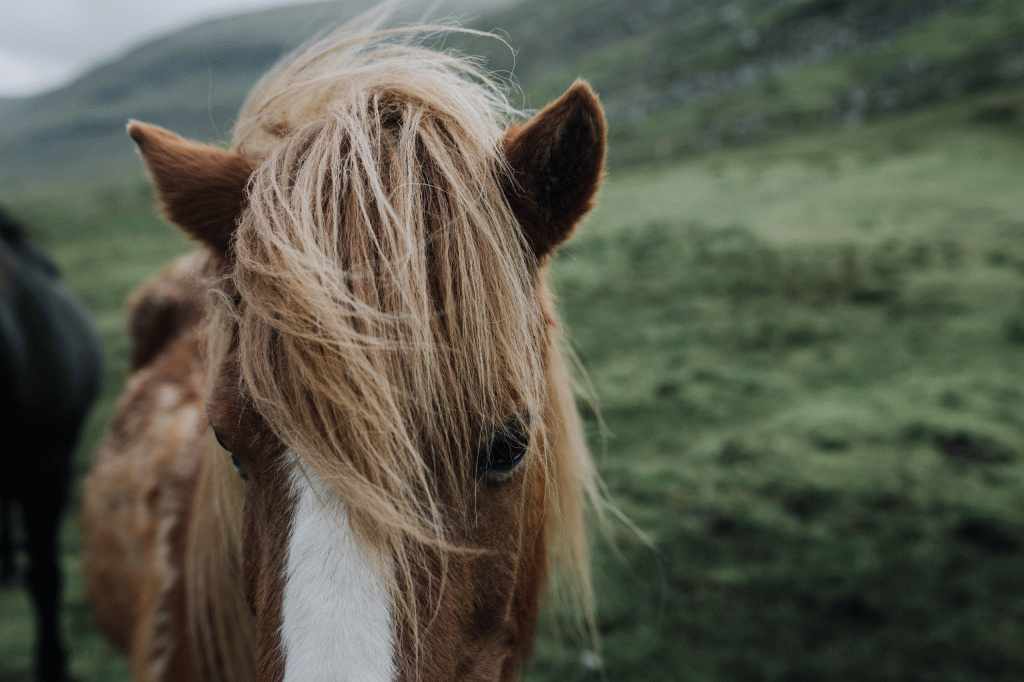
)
(387, 317)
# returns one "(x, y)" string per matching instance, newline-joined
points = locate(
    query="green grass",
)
(941, 54)
(808, 357)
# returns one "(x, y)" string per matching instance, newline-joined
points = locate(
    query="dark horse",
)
(50, 363)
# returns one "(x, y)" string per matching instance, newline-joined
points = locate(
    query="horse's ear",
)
(556, 158)
(201, 187)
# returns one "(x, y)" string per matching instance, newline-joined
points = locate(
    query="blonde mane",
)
(387, 317)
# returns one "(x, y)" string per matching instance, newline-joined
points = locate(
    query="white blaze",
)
(336, 612)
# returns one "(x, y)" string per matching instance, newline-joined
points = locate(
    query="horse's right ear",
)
(200, 187)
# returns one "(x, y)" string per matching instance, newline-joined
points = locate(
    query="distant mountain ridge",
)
(192, 81)
(676, 76)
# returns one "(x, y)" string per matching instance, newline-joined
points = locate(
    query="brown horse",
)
(400, 458)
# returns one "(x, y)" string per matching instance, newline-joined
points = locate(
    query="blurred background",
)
(800, 304)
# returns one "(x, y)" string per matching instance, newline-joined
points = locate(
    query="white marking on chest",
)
(336, 612)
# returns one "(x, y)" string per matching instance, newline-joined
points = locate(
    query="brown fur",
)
(201, 187)
(162, 312)
(139, 489)
(380, 315)
(556, 160)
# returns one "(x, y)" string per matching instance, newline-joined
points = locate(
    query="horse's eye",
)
(505, 451)
(239, 468)
(234, 460)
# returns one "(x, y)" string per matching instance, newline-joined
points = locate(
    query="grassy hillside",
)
(192, 81)
(680, 77)
(677, 77)
(808, 357)
(807, 351)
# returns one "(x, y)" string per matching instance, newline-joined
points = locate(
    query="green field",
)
(809, 360)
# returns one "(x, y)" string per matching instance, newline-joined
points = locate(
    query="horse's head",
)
(388, 382)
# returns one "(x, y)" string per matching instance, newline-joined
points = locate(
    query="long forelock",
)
(385, 281)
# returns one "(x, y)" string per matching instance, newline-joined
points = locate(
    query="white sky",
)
(44, 43)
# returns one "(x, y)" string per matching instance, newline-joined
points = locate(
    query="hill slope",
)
(676, 76)
(192, 81)
(684, 76)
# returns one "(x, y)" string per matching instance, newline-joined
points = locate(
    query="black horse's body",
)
(50, 365)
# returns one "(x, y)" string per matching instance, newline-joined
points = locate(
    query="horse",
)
(349, 447)
(50, 370)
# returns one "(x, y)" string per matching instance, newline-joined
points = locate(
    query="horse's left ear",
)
(556, 158)
(201, 187)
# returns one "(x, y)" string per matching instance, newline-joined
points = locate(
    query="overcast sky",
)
(44, 43)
